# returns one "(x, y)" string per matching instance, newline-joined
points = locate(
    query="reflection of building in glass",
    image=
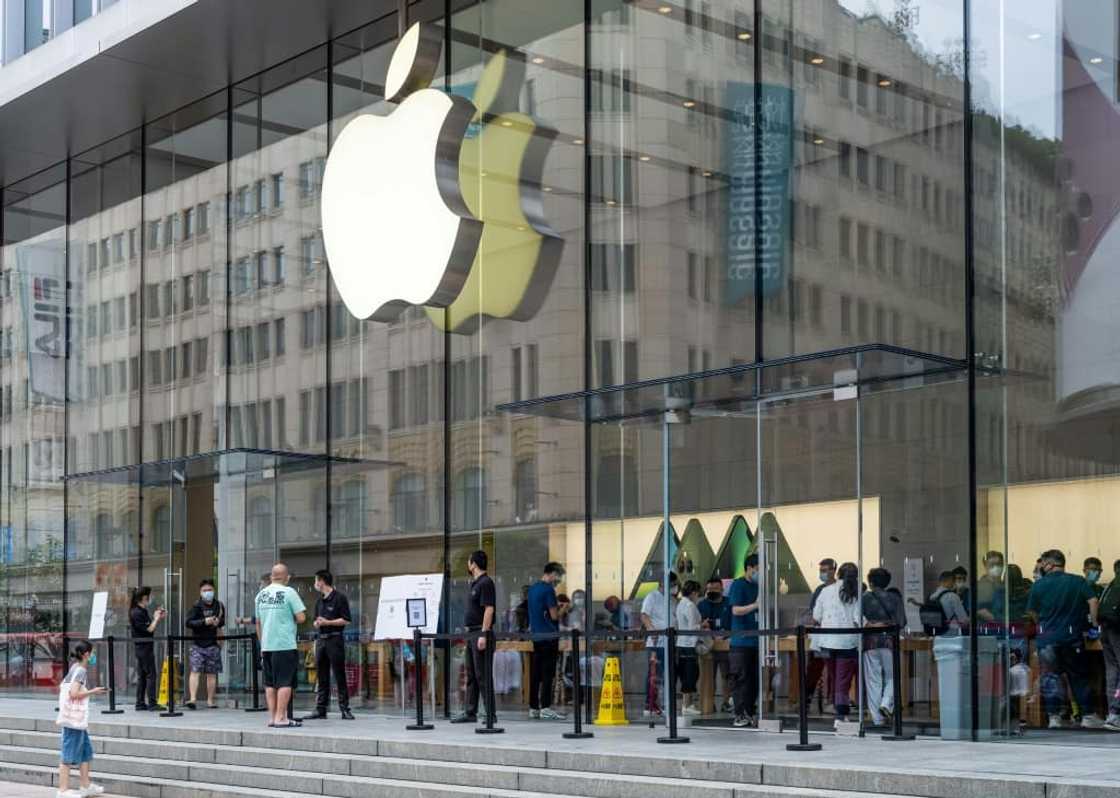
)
(201, 318)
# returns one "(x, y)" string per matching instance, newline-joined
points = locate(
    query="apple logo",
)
(500, 171)
(396, 228)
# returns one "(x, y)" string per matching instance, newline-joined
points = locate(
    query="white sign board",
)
(913, 590)
(392, 613)
(97, 615)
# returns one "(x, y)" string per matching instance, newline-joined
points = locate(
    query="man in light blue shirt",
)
(279, 611)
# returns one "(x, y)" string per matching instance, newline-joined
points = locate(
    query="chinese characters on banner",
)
(758, 196)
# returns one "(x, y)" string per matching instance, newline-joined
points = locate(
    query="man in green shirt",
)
(279, 611)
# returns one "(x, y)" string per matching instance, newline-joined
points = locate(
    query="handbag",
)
(73, 713)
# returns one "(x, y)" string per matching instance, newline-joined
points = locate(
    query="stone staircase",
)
(152, 761)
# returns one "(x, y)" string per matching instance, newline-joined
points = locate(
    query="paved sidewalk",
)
(1092, 763)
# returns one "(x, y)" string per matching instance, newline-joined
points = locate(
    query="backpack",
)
(1108, 615)
(932, 615)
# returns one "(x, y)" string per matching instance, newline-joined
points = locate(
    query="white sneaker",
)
(1091, 722)
(93, 789)
(1112, 723)
(689, 709)
(1056, 722)
(534, 714)
(648, 714)
(68, 794)
(548, 713)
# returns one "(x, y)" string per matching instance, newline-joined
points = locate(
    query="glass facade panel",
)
(665, 190)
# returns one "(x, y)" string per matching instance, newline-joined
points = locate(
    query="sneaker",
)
(1112, 723)
(347, 714)
(465, 717)
(191, 705)
(534, 714)
(483, 721)
(1091, 722)
(651, 713)
(742, 721)
(888, 715)
(548, 713)
(690, 710)
(68, 794)
(1056, 722)
(728, 706)
(92, 789)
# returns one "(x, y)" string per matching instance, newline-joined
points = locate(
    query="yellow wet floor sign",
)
(163, 697)
(612, 706)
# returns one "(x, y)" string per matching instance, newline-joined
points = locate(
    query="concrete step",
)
(137, 787)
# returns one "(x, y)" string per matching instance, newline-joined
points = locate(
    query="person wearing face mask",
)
(839, 608)
(817, 666)
(715, 612)
(990, 593)
(1108, 616)
(1065, 607)
(204, 620)
(544, 619)
(144, 624)
(743, 598)
(1092, 568)
(960, 587)
(657, 614)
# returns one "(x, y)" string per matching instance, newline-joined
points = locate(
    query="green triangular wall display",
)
(695, 560)
(737, 543)
(652, 571)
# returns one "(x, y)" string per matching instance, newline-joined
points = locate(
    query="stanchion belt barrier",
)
(112, 641)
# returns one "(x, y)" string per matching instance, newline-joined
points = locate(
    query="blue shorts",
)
(76, 747)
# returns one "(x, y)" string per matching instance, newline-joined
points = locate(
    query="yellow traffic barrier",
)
(612, 706)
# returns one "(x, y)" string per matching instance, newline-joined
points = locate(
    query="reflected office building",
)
(808, 279)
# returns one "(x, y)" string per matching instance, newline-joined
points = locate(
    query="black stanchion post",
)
(671, 688)
(112, 710)
(418, 644)
(577, 732)
(488, 687)
(802, 743)
(897, 734)
(255, 645)
(170, 713)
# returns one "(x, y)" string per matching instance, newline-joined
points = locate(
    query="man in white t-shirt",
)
(657, 614)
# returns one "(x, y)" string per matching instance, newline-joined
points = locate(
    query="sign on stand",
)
(393, 605)
(97, 615)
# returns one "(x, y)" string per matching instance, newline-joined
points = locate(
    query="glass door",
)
(808, 524)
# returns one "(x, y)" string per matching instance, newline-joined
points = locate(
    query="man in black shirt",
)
(479, 618)
(204, 620)
(332, 614)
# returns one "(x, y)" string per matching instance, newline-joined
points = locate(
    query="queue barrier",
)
(671, 634)
(575, 635)
(111, 642)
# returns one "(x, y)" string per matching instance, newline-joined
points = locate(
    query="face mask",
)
(93, 658)
(753, 577)
(1037, 574)
(676, 591)
(825, 575)
(207, 595)
(577, 601)
(714, 595)
(1092, 576)
(960, 585)
(995, 571)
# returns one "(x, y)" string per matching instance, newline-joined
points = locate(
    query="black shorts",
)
(280, 668)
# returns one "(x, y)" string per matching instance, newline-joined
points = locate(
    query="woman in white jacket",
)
(838, 607)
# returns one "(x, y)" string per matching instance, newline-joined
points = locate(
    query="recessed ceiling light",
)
(665, 10)
(547, 189)
(577, 142)
(744, 35)
(816, 60)
(1096, 60)
(707, 173)
(689, 103)
(818, 141)
(538, 60)
(482, 174)
(643, 157)
(1034, 37)
(507, 123)
(884, 83)
(521, 228)
(611, 203)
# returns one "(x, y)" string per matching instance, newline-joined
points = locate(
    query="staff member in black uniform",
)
(479, 618)
(332, 613)
(144, 626)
